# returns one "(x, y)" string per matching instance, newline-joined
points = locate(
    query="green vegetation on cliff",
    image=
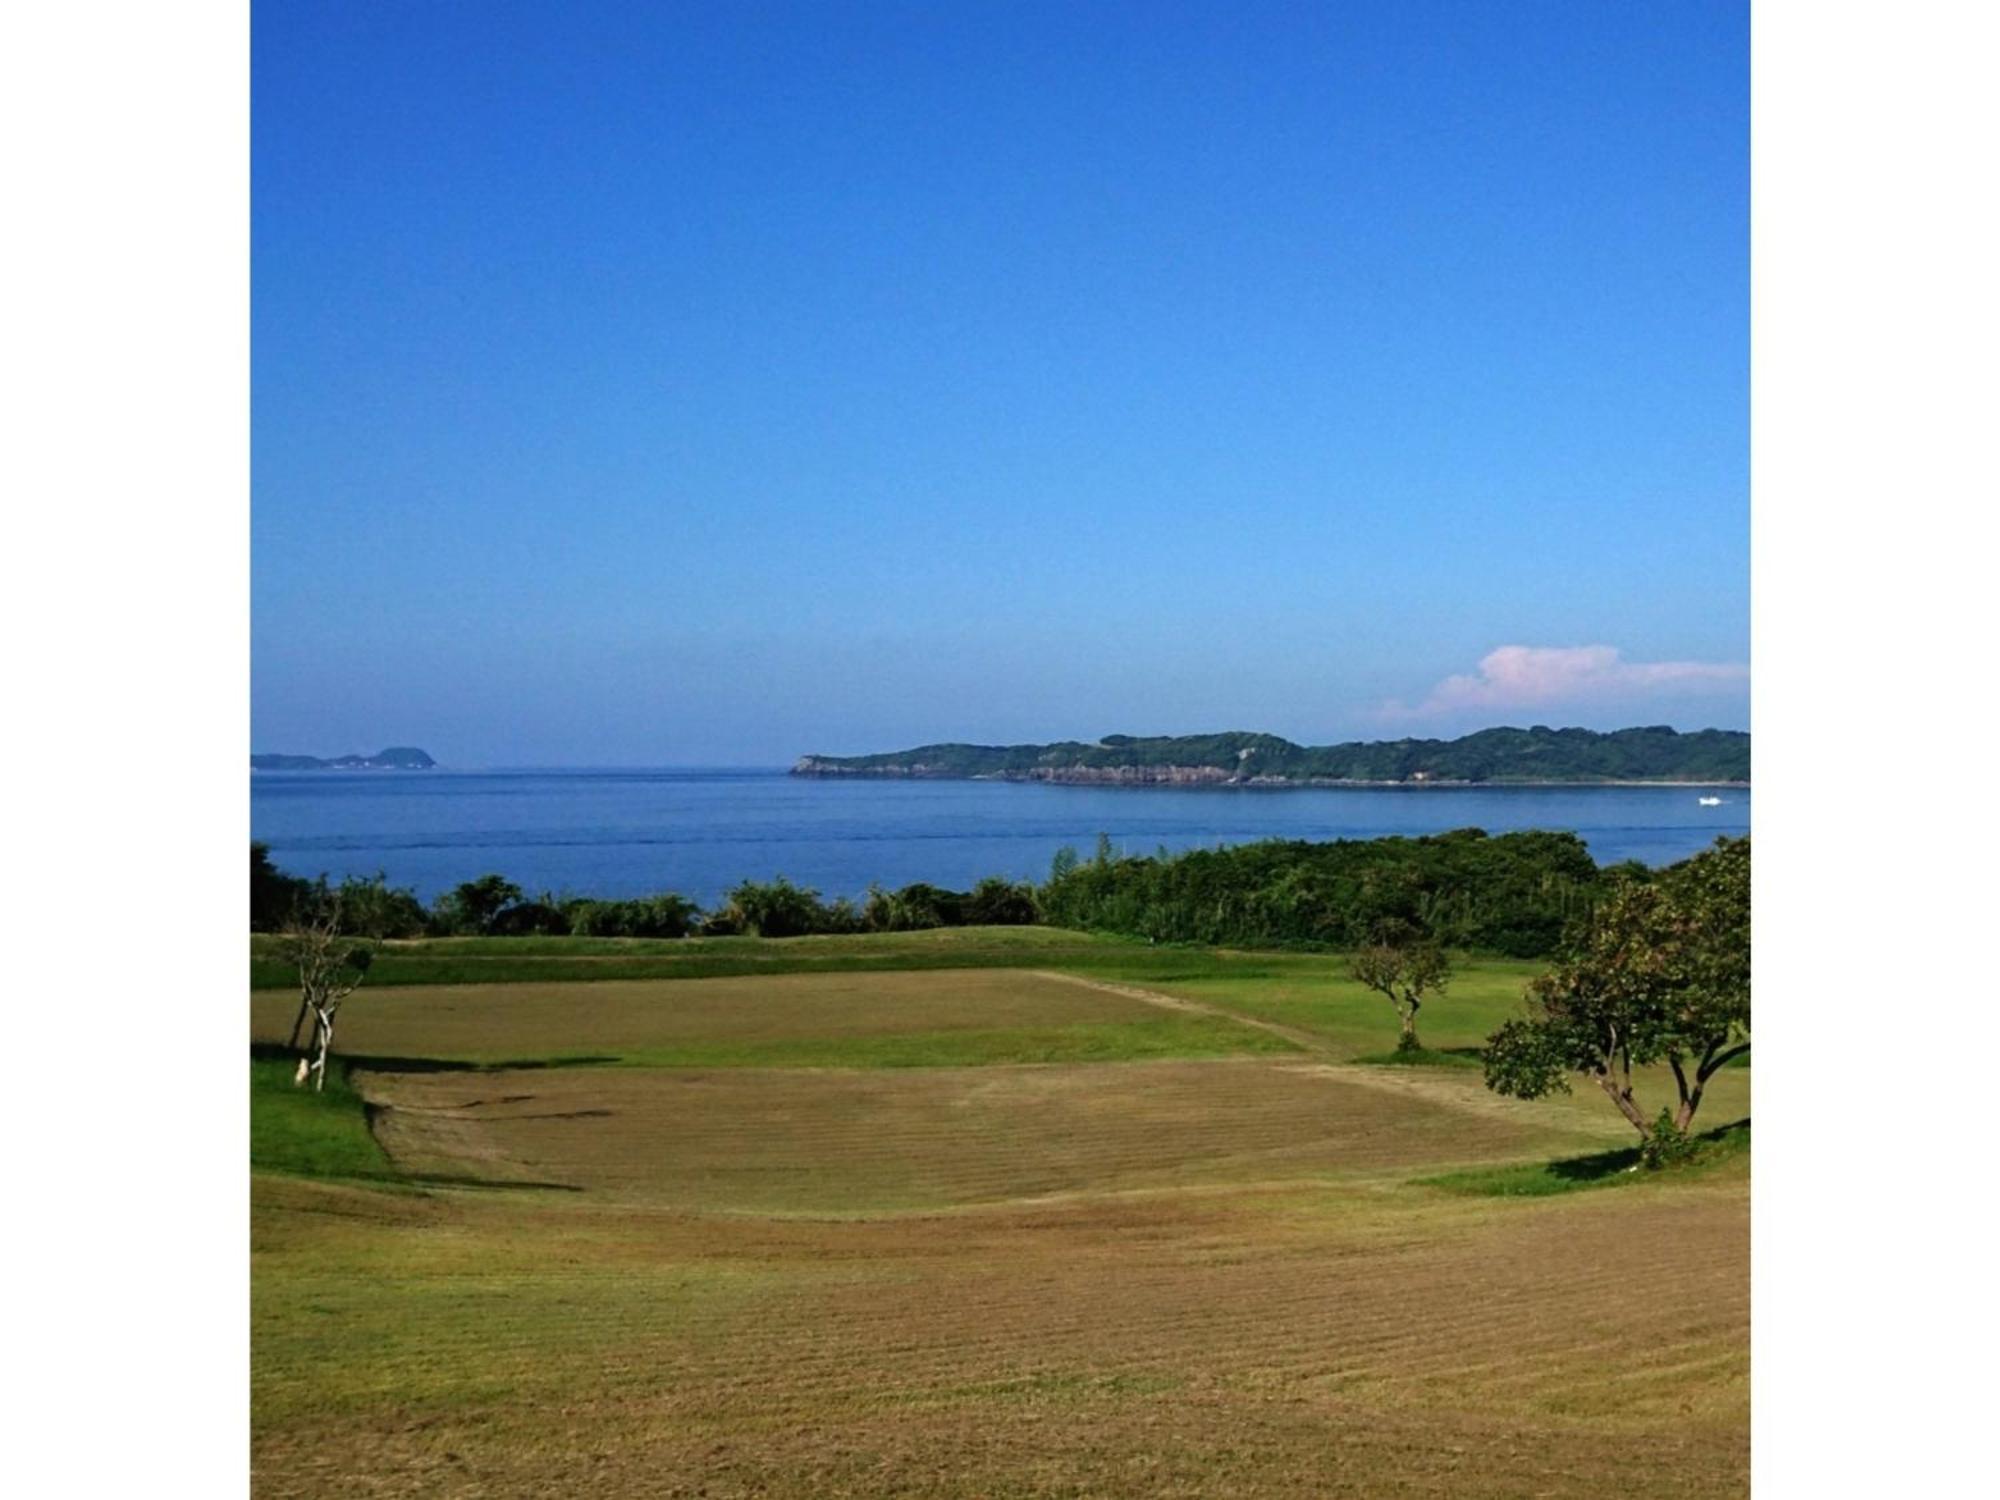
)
(1657, 753)
(395, 758)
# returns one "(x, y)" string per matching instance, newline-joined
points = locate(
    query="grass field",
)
(834, 1019)
(1105, 1221)
(322, 1134)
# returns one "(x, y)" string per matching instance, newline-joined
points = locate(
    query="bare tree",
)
(1405, 965)
(331, 967)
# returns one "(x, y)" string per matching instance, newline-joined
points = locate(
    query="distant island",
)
(395, 758)
(1538, 756)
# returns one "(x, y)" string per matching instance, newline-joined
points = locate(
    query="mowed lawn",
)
(862, 1141)
(779, 1020)
(970, 1232)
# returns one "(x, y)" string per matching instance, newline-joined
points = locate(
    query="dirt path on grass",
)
(1304, 1040)
(1436, 1086)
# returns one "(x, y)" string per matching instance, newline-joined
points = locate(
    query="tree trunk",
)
(1622, 1097)
(298, 1023)
(1685, 1114)
(322, 1044)
(1408, 1011)
(1691, 1097)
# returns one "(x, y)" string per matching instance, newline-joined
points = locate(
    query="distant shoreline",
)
(395, 758)
(1271, 785)
(1655, 755)
(1268, 784)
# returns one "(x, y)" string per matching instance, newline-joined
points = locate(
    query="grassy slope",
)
(312, 1134)
(1719, 1150)
(816, 1019)
(549, 960)
(517, 960)
(1178, 1344)
(1248, 1333)
(1310, 991)
(858, 1142)
(1104, 1041)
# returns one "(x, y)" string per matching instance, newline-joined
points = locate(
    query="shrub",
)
(663, 916)
(373, 908)
(1668, 1145)
(777, 909)
(469, 909)
(995, 902)
(1512, 894)
(529, 919)
(273, 894)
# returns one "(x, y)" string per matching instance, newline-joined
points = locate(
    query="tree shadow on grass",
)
(300, 1150)
(1425, 1057)
(377, 1063)
(1724, 1140)
(1597, 1169)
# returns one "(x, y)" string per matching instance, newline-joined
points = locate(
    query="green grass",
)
(517, 960)
(1288, 984)
(1600, 1169)
(311, 1134)
(1307, 990)
(744, 1263)
(1423, 1057)
(929, 1018)
(1168, 1036)
(1314, 993)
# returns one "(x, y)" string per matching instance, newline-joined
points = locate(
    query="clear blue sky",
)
(713, 383)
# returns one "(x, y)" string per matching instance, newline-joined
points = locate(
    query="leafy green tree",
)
(539, 918)
(470, 908)
(878, 910)
(775, 909)
(1512, 894)
(995, 902)
(273, 894)
(371, 907)
(923, 906)
(1660, 972)
(666, 915)
(1406, 966)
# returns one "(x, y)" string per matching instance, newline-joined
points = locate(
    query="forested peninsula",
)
(1490, 757)
(395, 758)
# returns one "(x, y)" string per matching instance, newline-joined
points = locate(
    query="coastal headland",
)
(1505, 756)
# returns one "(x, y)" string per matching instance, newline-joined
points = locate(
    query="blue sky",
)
(711, 384)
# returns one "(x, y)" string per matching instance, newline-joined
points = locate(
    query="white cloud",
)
(1531, 676)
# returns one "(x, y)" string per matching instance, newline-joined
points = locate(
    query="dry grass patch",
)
(785, 1019)
(770, 1140)
(1343, 1341)
(1167, 1278)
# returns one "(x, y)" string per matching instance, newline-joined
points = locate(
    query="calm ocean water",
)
(626, 833)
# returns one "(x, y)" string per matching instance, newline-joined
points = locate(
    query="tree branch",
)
(1718, 1060)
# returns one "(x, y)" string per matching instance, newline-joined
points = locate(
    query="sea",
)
(621, 833)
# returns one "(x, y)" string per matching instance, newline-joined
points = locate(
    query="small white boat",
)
(1709, 801)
